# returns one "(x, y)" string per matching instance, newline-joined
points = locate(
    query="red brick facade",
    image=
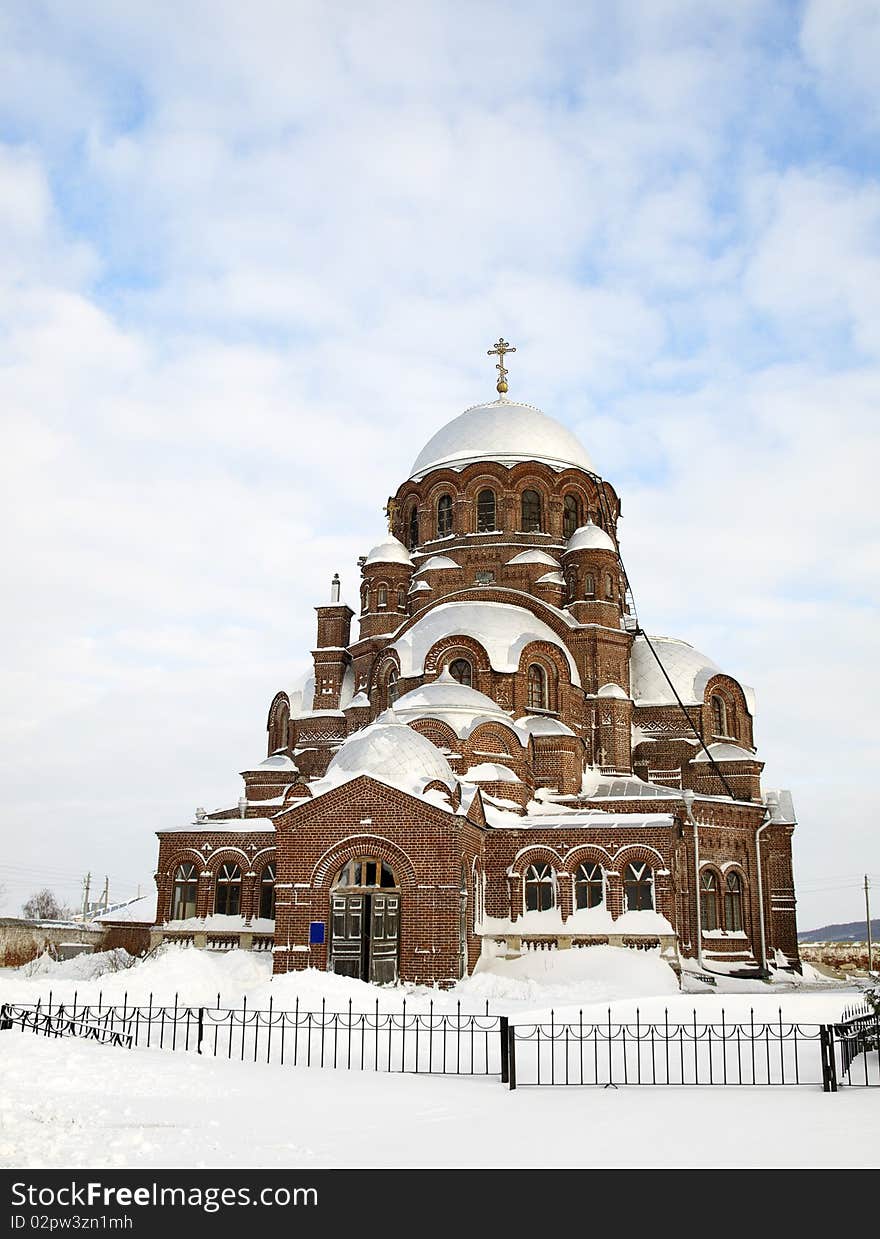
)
(505, 577)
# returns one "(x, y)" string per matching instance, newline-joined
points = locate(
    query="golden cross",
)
(501, 347)
(391, 512)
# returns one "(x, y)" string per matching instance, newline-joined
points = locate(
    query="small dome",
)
(436, 562)
(391, 551)
(722, 751)
(612, 690)
(689, 670)
(590, 538)
(453, 703)
(540, 725)
(392, 753)
(533, 556)
(278, 761)
(503, 430)
(490, 772)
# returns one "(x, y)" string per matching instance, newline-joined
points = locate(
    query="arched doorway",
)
(365, 921)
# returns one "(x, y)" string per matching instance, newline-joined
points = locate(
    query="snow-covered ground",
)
(74, 1104)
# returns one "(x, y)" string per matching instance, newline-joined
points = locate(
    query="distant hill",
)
(851, 931)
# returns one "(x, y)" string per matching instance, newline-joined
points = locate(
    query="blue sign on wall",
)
(316, 933)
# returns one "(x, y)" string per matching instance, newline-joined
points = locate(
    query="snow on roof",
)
(689, 670)
(302, 697)
(393, 753)
(277, 761)
(551, 578)
(504, 630)
(360, 699)
(781, 805)
(390, 551)
(534, 556)
(461, 707)
(504, 430)
(490, 772)
(540, 725)
(590, 537)
(419, 585)
(584, 817)
(597, 786)
(438, 561)
(215, 826)
(139, 911)
(723, 751)
(612, 690)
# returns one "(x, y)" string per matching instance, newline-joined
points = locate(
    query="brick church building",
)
(499, 759)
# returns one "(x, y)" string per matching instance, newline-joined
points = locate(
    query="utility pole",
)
(105, 898)
(868, 919)
(87, 881)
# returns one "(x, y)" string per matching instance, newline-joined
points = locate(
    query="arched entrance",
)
(365, 921)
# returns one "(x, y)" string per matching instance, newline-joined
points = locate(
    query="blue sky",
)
(251, 257)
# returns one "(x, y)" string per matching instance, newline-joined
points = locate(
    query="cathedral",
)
(500, 759)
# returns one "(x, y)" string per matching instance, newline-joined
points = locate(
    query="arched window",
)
(589, 586)
(719, 716)
(444, 515)
(462, 671)
(571, 581)
(709, 911)
(382, 596)
(485, 511)
(186, 886)
(391, 685)
(588, 887)
(609, 586)
(571, 515)
(531, 511)
(401, 599)
(733, 902)
(227, 899)
(365, 598)
(537, 687)
(267, 893)
(539, 888)
(413, 527)
(638, 886)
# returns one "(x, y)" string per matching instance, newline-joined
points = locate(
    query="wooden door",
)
(350, 938)
(384, 938)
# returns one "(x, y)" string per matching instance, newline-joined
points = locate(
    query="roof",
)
(534, 556)
(140, 911)
(392, 753)
(389, 551)
(723, 751)
(504, 630)
(590, 538)
(503, 430)
(689, 670)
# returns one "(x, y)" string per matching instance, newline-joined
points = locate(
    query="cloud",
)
(246, 272)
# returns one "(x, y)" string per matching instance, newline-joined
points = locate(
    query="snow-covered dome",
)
(590, 537)
(391, 551)
(503, 430)
(541, 725)
(724, 751)
(278, 761)
(451, 702)
(612, 690)
(503, 630)
(689, 670)
(392, 753)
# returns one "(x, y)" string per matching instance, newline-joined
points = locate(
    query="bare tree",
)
(43, 906)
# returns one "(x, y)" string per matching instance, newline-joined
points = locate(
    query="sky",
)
(252, 257)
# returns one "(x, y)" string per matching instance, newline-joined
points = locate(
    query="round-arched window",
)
(413, 527)
(485, 511)
(267, 893)
(461, 670)
(571, 515)
(733, 902)
(719, 716)
(185, 892)
(530, 506)
(227, 896)
(638, 887)
(366, 871)
(537, 683)
(444, 515)
(539, 888)
(709, 911)
(588, 886)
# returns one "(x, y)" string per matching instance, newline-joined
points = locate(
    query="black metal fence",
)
(606, 1054)
(418, 1042)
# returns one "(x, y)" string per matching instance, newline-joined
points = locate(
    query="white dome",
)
(689, 670)
(391, 551)
(453, 703)
(612, 690)
(392, 753)
(503, 630)
(502, 430)
(721, 751)
(590, 538)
